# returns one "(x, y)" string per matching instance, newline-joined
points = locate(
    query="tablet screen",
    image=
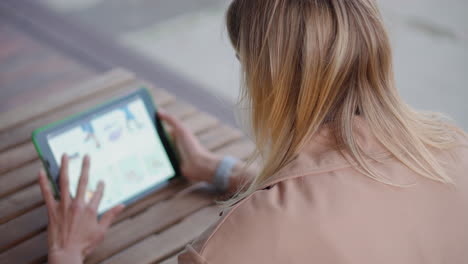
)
(125, 149)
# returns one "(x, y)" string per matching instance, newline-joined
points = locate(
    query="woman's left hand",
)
(74, 230)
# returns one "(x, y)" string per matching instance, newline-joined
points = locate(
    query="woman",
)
(350, 174)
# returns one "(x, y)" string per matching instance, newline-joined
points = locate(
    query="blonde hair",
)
(310, 62)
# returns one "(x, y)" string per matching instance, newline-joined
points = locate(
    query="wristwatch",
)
(223, 172)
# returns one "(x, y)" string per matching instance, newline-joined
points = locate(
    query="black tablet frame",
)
(39, 137)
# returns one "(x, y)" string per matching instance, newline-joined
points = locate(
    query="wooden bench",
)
(152, 230)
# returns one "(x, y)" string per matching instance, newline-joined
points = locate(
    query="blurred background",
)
(182, 46)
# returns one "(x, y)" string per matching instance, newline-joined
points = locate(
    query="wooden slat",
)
(157, 247)
(241, 149)
(201, 122)
(164, 194)
(22, 227)
(91, 88)
(218, 137)
(171, 260)
(16, 204)
(155, 219)
(30, 251)
(15, 157)
(180, 109)
(19, 178)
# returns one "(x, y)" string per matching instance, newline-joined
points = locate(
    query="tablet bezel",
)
(39, 137)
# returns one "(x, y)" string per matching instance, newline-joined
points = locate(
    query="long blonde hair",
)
(310, 62)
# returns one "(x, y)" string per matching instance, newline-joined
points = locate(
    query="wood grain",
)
(85, 90)
(171, 260)
(31, 250)
(155, 219)
(159, 246)
(219, 136)
(22, 227)
(201, 122)
(16, 204)
(19, 178)
(241, 149)
(15, 157)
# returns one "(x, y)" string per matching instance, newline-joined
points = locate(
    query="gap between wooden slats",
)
(209, 121)
(61, 100)
(171, 260)
(21, 136)
(159, 246)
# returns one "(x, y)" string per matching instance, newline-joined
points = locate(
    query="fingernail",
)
(100, 184)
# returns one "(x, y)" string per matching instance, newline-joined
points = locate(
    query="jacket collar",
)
(322, 154)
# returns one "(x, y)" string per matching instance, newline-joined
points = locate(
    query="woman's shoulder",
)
(253, 223)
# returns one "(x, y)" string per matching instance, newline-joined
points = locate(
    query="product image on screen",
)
(126, 153)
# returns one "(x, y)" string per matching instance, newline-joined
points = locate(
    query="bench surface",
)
(153, 230)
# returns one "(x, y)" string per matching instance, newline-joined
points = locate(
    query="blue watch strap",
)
(223, 171)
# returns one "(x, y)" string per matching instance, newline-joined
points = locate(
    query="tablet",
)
(129, 149)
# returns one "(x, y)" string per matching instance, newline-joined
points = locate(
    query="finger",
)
(174, 122)
(171, 133)
(46, 191)
(64, 191)
(109, 217)
(97, 196)
(83, 182)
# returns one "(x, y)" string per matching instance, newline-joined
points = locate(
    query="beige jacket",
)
(318, 209)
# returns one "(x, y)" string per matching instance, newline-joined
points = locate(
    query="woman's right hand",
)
(197, 162)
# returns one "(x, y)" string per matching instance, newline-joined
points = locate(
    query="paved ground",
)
(430, 40)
